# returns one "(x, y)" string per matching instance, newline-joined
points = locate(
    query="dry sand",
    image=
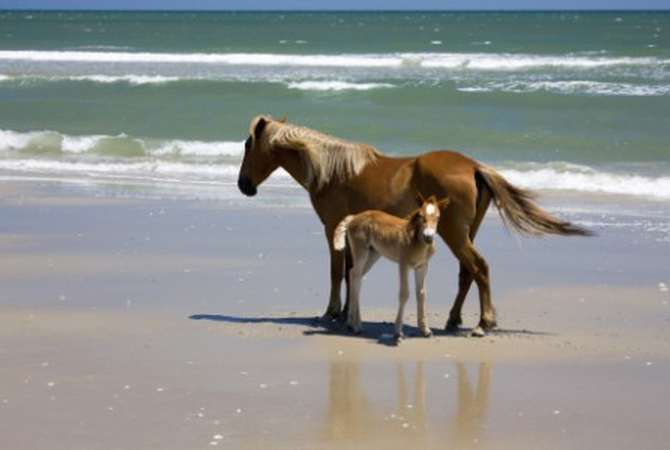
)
(178, 324)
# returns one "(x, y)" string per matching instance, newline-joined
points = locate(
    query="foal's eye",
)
(247, 144)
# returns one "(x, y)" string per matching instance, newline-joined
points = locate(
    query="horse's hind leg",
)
(465, 279)
(479, 270)
(487, 318)
(465, 276)
(473, 267)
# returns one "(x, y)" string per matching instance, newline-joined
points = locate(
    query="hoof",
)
(427, 333)
(398, 338)
(488, 321)
(333, 317)
(453, 325)
(330, 317)
(478, 332)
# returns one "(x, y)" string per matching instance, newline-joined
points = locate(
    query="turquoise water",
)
(574, 103)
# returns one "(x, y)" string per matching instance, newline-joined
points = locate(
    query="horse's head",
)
(259, 161)
(427, 216)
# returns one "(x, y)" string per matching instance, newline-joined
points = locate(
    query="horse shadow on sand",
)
(381, 332)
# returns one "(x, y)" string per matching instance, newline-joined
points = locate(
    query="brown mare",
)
(345, 178)
(408, 241)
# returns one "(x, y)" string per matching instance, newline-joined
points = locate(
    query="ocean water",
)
(575, 105)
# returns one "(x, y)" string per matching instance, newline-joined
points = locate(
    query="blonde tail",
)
(340, 237)
(516, 207)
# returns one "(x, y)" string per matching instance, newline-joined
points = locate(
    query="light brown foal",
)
(407, 241)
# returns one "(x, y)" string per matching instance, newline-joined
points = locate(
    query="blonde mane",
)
(325, 157)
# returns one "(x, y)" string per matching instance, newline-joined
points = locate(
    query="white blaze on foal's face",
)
(431, 216)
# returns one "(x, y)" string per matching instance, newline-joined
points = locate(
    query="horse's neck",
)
(291, 162)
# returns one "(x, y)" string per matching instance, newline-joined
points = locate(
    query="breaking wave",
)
(51, 154)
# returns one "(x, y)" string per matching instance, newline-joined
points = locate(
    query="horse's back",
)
(446, 173)
(447, 162)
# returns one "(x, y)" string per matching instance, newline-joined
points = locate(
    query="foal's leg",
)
(420, 284)
(402, 300)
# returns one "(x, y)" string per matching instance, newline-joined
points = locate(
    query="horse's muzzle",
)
(246, 186)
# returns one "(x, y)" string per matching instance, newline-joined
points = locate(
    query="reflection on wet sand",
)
(351, 416)
(471, 406)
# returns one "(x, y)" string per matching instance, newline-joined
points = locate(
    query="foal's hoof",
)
(398, 338)
(427, 333)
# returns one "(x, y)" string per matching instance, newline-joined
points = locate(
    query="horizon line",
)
(301, 10)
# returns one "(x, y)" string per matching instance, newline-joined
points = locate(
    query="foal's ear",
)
(260, 126)
(419, 198)
(443, 203)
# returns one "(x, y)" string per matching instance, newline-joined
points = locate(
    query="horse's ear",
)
(260, 126)
(283, 119)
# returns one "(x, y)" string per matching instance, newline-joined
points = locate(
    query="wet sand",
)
(137, 323)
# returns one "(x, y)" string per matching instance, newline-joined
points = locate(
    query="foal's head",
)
(427, 216)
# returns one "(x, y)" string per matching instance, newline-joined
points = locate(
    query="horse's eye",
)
(247, 144)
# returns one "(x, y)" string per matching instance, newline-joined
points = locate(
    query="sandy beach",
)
(133, 322)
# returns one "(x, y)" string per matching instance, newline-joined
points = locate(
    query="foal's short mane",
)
(325, 157)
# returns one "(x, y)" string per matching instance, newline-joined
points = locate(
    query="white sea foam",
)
(130, 79)
(152, 169)
(570, 177)
(336, 86)
(135, 80)
(76, 144)
(246, 59)
(472, 61)
(34, 140)
(49, 153)
(201, 149)
(593, 88)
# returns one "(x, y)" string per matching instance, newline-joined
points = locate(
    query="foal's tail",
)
(340, 236)
(517, 209)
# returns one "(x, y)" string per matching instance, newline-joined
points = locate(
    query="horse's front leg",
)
(337, 267)
(420, 283)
